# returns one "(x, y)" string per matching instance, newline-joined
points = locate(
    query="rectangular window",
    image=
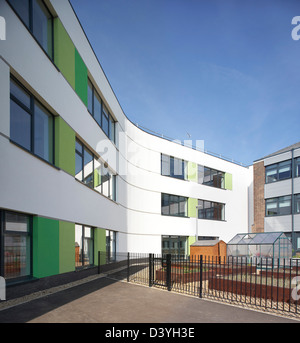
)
(297, 203)
(279, 171)
(278, 206)
(173, 205)
(172, 166)
(92, 172)
(297, 167)
(211, 177)
(111, 248)
(38, 19)
(31, 125)
(16, 245)
(84, 246)
(100, 113)
(211, 210)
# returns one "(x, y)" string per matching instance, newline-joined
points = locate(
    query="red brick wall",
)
(258, 196)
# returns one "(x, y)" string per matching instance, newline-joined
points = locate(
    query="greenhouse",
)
(275, 245)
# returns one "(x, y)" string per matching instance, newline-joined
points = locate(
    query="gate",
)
(162, 265)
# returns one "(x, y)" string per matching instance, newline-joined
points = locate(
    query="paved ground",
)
(104, 300)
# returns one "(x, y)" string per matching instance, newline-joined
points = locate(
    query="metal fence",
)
(265, 283)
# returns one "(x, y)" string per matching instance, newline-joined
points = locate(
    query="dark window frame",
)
(277, 201)
(297, 167)
(111, 134)
(83, 238)
(29, 27)
(185, 215)
(276, 167)
(209, 213)
(31, 112)
(28, 233)
(218, 183)
(171, 162)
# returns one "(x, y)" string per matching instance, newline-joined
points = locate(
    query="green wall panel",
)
(64, 52)
(100, 245)
(191, 240)
(81, 78)
(192, 211)
(66, 247)
(64, 146)
(45, 247)
(192, 171)
(228, 181)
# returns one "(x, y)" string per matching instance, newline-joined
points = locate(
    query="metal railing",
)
(269, 283)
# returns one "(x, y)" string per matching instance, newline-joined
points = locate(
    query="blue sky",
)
(223, 71)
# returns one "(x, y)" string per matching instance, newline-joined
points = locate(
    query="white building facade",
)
(76, 172)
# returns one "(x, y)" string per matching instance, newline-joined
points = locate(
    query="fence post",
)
(98, 262)
(169, 286)
(201, 271)
(150, 270)
(128, 266)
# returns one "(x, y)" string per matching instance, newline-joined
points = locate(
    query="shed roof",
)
(206, 243)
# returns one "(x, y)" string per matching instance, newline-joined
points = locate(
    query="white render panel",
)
(278, 158)
(296, 152)
(297, 222)
(297, 185)
(278, 224)
(278, 189)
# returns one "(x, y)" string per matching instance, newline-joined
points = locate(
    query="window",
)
(175, 245)
(38, 20)
(84, 246)
(210, 177)
(173, 205)
(278, 206)
(297, 203)
(84, 167)
(172, 166)
(93, 172)
(31, 125)
(111, 241)
(100, 113)
(211, 210)
(16, 257)
(297, 167)
(279, 171)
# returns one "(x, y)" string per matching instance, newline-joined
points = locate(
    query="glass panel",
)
(87, 232)
(42, 25)
(105, 120)
(200, 174)
(174, 205)
(97, 175)
(16, 255)
(201, 214)
(78, 245)
(20, 125)
(165, 204)
(297, 167)
(178, 168)
(206, 179)
(43, 133)
(78, 167)
(284, 205)
(22, 8)
(182, 207)
(97, 108)
(297, 203)
(111, 129)
(105, 184)
(165, 165)
(90, 97)
(284, 170)
(16, 222)
(271, 174)
(20, 93)
(88, 176)
(271, 207)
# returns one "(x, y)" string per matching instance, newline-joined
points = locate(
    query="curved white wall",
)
(30, 185)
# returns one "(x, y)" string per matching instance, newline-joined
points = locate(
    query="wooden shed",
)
(209, 249)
